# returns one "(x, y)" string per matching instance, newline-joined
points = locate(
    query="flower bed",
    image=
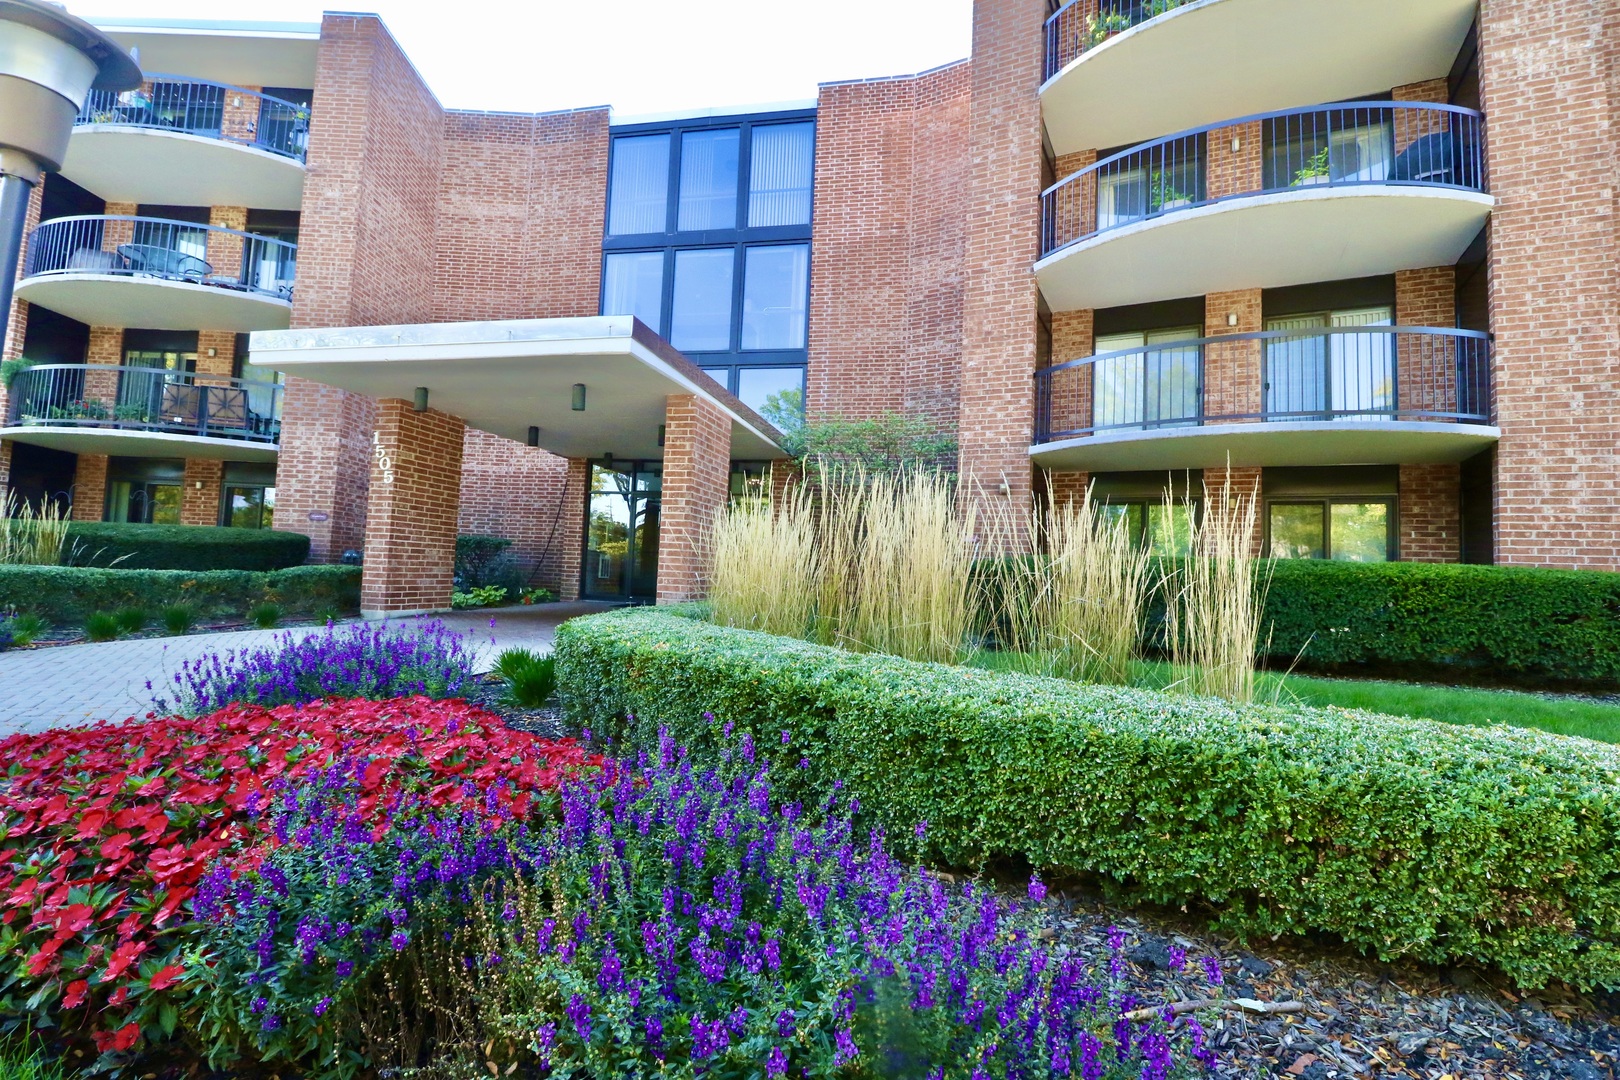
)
(105, 833)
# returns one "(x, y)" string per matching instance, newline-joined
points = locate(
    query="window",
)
(248, 507)
(777, 394)
(1330, 375)
(781, 171)
(776, 296)
(708, 180)
(153, 361)
(700, 317)
(1163, 529)
(1164, 177)
(633, 284)
(1150, 388)
(1346, 530)
(1337, 146)
(638, 188)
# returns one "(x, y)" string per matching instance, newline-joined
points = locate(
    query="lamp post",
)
(49, 62)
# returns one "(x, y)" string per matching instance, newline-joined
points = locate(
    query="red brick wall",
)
(1228, 171)
(411, 520)
(999, 296)
(1550, 77)
(1232, 383)
(1227, 489)
(697, 466)
(200, 505)
(90, 487)
(1069, 397)
(1430, 513)
(523, 494)
(885, 296)
(521, 203)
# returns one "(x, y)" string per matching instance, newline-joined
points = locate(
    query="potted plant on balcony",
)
(1102, 26)
(1159, 7)
(1315, 170)
(1164, 195)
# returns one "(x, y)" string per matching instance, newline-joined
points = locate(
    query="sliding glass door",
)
(1310, 373)
(621, 536)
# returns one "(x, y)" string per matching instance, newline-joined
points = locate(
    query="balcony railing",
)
(159, 248)
(199, 107)
(145, 399)
(1325, 374)
(1357, 144)
(1084, 24)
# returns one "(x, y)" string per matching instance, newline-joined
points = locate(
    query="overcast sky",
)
(640, 56)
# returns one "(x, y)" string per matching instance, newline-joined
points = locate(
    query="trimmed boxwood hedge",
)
(183, 547)
(67, 594)
(1503, 622)
(1404, 838)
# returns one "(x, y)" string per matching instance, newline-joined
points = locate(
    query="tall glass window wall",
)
(708, 242)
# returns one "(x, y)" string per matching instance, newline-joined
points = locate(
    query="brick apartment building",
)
(1358, 257)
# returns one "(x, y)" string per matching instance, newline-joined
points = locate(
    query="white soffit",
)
(238, 53)
(1213, 60)
(507, 376)
(123, 163)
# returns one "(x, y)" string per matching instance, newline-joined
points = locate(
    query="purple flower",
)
(921, 829)
(1037, 889)
(776, 1064)
(399, 939)
(345, 968)
(1212, 970)
(579, 1011)
(321, 1006)
(1178, 957)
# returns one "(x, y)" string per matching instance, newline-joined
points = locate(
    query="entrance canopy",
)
(508, 376)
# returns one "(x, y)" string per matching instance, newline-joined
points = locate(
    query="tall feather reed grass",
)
(1215, 600)
(869, 563)
(1073, 609)
(29, 535)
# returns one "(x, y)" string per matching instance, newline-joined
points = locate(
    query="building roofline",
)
(715, 112)
(208, 26)
(897, 78)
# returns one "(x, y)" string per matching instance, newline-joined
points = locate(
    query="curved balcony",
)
(190, 142)
(1283, 198)
(143, 412)
(1350, 395)
(1289, 52)
(159, 274)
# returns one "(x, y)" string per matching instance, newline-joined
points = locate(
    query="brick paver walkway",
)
(77, 684)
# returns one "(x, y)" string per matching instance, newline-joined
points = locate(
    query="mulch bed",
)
(1361, 1018)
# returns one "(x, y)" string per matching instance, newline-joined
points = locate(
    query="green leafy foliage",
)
(266, 615)
(182, 547)
(1508, 623)
(131, 619)
(485, 596)
(68, 594)
(478, 559)
(23, 629)
(530, 678)
(101, 626)
(1405, 838)
(880, 444)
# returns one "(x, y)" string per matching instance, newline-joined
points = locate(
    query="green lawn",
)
(1564, 716)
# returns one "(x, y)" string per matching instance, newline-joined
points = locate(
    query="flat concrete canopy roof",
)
(507, 376)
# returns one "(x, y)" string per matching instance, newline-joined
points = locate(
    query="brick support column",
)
(1226, 487)
(1233, 171)
(1075, 214)
(1003, 239)
(106, 348)
(5, 465)
(218, 367)
(1430, 513)
(240, 121)
(1426, 367)
(225, 249)
(697, 468)
(90, 487)
(1412, 124)
(1068, 403)
(1065, 488)
(411, 516)
(1234, 372)
(200, 491)
(118, 232)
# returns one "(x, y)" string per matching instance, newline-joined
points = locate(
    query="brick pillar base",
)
(411, 511)
(1064, 488)
(1430, 513)
(568, 546)
(697, 470)
(5, 464)
(90, 487)
(199, 493)
(1225, 487)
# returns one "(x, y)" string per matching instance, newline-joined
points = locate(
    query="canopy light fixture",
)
(661, 429)
(579, 397)
(534, 436)
(421, 399)
(607, 460)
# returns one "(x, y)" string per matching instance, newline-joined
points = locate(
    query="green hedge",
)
(1404, 838)
(183, 547)
(1513, 623)
(67, 594)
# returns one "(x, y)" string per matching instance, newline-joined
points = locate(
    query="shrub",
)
(537, 595)
(68, 594)
(673, 923)
(101, 626)
(485, 596)
(358, 660)
(1500, 622)
(1405, 838)
(130, 619)
(266, 616)
(178, 619)
(529, 677)
(21, 629)
(183, 547)
(476, 559)
(105, 833)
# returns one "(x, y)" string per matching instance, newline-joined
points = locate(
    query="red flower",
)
(127, 1036)
(166, 976)
(75, 994)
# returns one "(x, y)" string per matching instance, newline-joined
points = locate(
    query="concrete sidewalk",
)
(79, 684)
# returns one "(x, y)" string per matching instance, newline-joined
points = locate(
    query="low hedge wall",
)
(1404, 838)
(183, 547)
(67, 594)
(1506, 622)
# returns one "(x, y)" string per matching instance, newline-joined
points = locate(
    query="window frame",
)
(1326, 503)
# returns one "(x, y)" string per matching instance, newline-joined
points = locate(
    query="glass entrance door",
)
(621, 534)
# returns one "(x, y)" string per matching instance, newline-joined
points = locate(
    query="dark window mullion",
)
(672, 204)
(745, 173)
(739, 268)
